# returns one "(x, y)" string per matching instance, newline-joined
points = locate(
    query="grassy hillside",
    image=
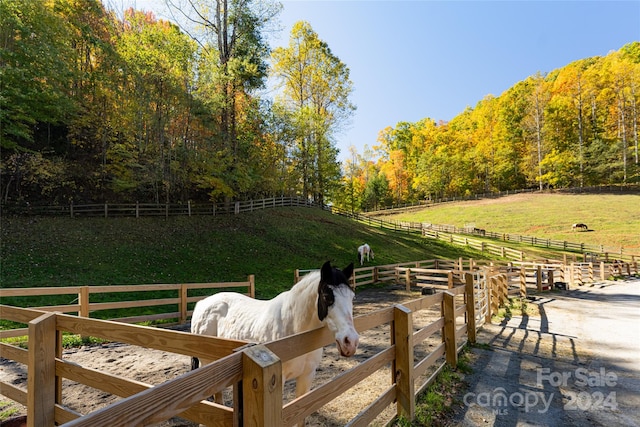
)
(613, 219)
(270, 244)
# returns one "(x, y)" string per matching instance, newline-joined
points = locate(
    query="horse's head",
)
(335, 306)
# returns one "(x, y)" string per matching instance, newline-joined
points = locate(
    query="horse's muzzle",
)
(348, 345)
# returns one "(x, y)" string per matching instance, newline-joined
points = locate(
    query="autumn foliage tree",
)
(574, 126)
(315, 95)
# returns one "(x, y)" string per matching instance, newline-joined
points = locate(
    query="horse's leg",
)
(217, 397)
(303, 383)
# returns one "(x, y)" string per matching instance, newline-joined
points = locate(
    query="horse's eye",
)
(328, 297)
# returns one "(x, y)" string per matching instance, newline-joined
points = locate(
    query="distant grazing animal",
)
(365, 250)
(480, 231)
(581, 226)
(321, 298)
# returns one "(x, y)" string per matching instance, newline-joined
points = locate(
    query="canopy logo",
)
(539, 398)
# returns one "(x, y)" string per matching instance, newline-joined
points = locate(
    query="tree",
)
(34, 74)
(315, 88)
(158, 59)
(534, 120)
(231, 31)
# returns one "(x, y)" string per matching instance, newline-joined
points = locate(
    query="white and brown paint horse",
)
(321, 298)
(365, 251)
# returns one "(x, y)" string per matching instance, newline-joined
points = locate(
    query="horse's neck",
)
(302, 305)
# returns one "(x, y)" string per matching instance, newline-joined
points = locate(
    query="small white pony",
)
(365, 250)
(321, 298)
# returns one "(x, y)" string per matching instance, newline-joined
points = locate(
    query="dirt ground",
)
(576, 364)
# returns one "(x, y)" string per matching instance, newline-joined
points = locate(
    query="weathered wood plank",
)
(159, 339)
(165, 400)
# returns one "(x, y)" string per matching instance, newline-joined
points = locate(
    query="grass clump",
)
(8, 409)
(517, 306)
(433, 406)
(68, 341)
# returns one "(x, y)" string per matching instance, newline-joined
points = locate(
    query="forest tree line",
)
(575, 126)
(98, 105)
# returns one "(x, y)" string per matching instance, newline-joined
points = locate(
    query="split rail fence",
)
(83, 306)
(469, 293)
(254, 371)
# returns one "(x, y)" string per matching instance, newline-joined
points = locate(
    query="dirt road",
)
(577, 364)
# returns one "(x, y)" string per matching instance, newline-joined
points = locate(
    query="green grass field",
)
(272, 243)
(613, 219)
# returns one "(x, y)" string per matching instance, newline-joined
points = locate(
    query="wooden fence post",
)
(523, 281)
(494, 303)
(375, 274)
(83, 300)
(450, 347)
(538, 279)
(470, 298)
(252, 285)
(488, 315)
(261, 387)
(504, 289)
(450, 279)
(407, 278)
(183, 303)
(41, 381)
(403, 363)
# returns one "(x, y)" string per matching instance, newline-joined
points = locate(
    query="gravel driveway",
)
(577, 364)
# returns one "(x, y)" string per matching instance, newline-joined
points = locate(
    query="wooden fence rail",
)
(189, 208)
(84, 307)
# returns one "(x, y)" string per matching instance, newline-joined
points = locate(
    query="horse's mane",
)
(308, 282)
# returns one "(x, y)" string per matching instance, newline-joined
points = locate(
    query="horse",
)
(321, 298)
(365, 250)
(574, 227)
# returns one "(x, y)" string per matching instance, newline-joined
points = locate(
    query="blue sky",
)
(415, 59)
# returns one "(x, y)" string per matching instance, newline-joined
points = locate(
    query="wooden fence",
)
(189, 208)
(455, 235)
(254, 372)
(479, 245)
(470, 295)
(83, 306)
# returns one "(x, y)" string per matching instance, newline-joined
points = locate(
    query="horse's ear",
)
(348, 271)
(326, 273)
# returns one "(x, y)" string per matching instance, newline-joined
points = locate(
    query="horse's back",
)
(230, 315)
